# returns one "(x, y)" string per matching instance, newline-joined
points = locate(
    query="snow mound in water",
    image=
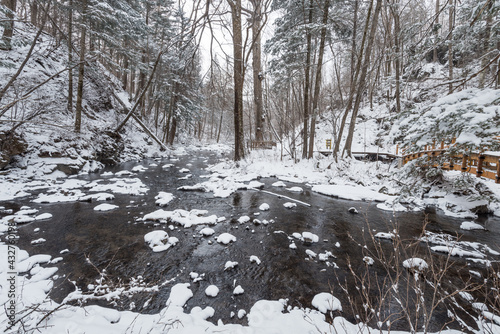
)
(179, 295)
(97, 197)
(226, 238)
(105, 207)
(471, 226)
(295, 189)
(159, 241)
(238, 290)
(230, 265)
(264, 207)
(212, 291)
(351, 192)
(163, 198)
(415, 263)
(309, 237)
(383, 235)
(207, 231)
(255, 259)
(182, 217)
(325, 302)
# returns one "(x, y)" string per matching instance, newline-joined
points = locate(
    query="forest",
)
(259, 70)
(249, 166)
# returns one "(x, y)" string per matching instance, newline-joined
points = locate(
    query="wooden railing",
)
(485, 164)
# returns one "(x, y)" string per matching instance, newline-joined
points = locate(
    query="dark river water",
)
(113, 241)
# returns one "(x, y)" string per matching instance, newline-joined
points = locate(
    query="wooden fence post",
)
(464, 162)
(497, 180)
(480, 161)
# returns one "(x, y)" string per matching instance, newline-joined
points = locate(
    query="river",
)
(112, 243)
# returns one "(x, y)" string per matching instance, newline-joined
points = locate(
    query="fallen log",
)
(141, 123)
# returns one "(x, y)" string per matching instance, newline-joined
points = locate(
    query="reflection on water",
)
(113, 242)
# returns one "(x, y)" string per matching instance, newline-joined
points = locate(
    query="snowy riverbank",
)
(395, 189)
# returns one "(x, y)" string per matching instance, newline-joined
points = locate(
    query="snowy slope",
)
(48, 128)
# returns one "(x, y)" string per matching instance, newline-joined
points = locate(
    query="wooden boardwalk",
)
(482, 164)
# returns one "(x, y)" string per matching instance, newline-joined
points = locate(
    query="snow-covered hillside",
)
(39, 125)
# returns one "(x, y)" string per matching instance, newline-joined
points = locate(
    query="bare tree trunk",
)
(34, 12)
(171, 111)
(55, 18)
(172, 131)
(239, 147)
(132, 82)
(436, 34)
(397, 61)
(257, 70)
(339, 84)
(8, 31)
(141, 83)
(317, 84)
(70, 56)
(497, 81)
(307, 88)
(220, 127)
(353, 41)
(362, 79)
(486, 44)
(125, 73)
(352, 89)
(81, 70)
(451, 22)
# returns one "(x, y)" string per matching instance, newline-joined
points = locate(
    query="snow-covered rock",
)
(207, 231)
(105, 207)
(325, 302)
(182, 217)
(230, 265)
(468, 225)
(255, 259)
(179, 295)
(415, 263)
(159, 240)
(264, 207)
(309, 237)
(226, 238)
(238, 290)
(163, 198)
(212, 291)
